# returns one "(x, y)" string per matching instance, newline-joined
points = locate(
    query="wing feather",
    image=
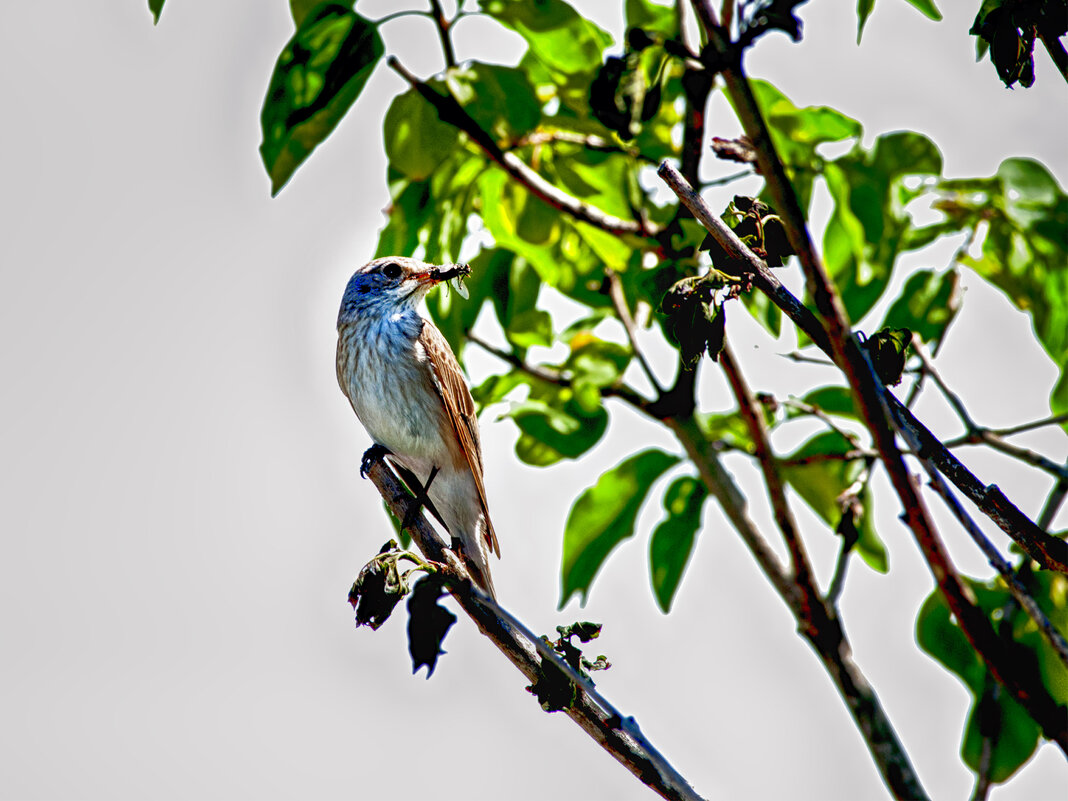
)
(460, 407)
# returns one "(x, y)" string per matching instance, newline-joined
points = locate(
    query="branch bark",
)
(879, 405)
(617, 734)
(1049, 552)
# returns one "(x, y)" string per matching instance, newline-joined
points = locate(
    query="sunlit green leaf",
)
(822, 478)
(797, 132)
(558, 36)
(555, 425)
(927, 8)
(1021, 218)
(672, 542)
(869, 225)
(417, 141)
(318, 76)
(927, 304)
(299, 9)
(604, 515)
(500, 99)
(653, 17)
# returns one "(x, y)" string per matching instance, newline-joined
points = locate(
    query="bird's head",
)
(392, 284)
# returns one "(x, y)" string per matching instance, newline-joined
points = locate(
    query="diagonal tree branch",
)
(1048, 551)
(451, 112)
(879, 406)
(817, 622)
(616, 733)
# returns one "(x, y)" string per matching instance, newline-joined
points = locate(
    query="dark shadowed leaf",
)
(604, 515)
(156, 7)
(672, 542)
(318, 76)
(428, 623)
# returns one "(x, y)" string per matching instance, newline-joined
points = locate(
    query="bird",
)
(407, 389)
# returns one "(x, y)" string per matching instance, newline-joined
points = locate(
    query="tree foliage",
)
(542, 176)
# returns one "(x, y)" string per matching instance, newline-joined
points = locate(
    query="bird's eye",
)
(391, 270)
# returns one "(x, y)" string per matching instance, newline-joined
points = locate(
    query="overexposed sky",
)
(180, 504)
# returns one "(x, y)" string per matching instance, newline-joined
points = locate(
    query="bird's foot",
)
(373, 454)
(421, 498)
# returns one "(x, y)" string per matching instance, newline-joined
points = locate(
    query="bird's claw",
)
(373, 454)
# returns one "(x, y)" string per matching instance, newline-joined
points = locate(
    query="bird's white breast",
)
(387, 380)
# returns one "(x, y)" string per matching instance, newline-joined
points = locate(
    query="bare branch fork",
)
(616, 733)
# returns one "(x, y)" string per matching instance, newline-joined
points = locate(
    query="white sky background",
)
(179, 500)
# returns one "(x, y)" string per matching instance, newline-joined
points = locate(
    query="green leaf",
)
(156, 7)
(554, 424)
(1013, 741)
(318, 76)
(797, 133)
(653, 17)
(531, 327)
(672, 542)
(1021, 216)
(500, 99)
(833, 400)
(299, 9)
(869, 226)
(1012, 733)
(927, 304)
(927, 8)
(939, 636)
(864, 9)
(821, 481)
(503, 202)
(561, 39)
(604, 515)
(417, 141)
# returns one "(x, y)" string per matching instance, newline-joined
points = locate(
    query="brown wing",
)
(460, 406)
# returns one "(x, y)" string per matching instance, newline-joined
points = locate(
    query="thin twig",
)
(443, 24)
(553, 376)
(617, 734)
(758, 431)
(619, 302)
(1056, 53)
(1053, 502)
(452, 113)
(999, 563)
(951, 397)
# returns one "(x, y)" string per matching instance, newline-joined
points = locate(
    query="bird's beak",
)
(443, 272)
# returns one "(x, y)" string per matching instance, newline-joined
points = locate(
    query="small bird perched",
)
(405, 385)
